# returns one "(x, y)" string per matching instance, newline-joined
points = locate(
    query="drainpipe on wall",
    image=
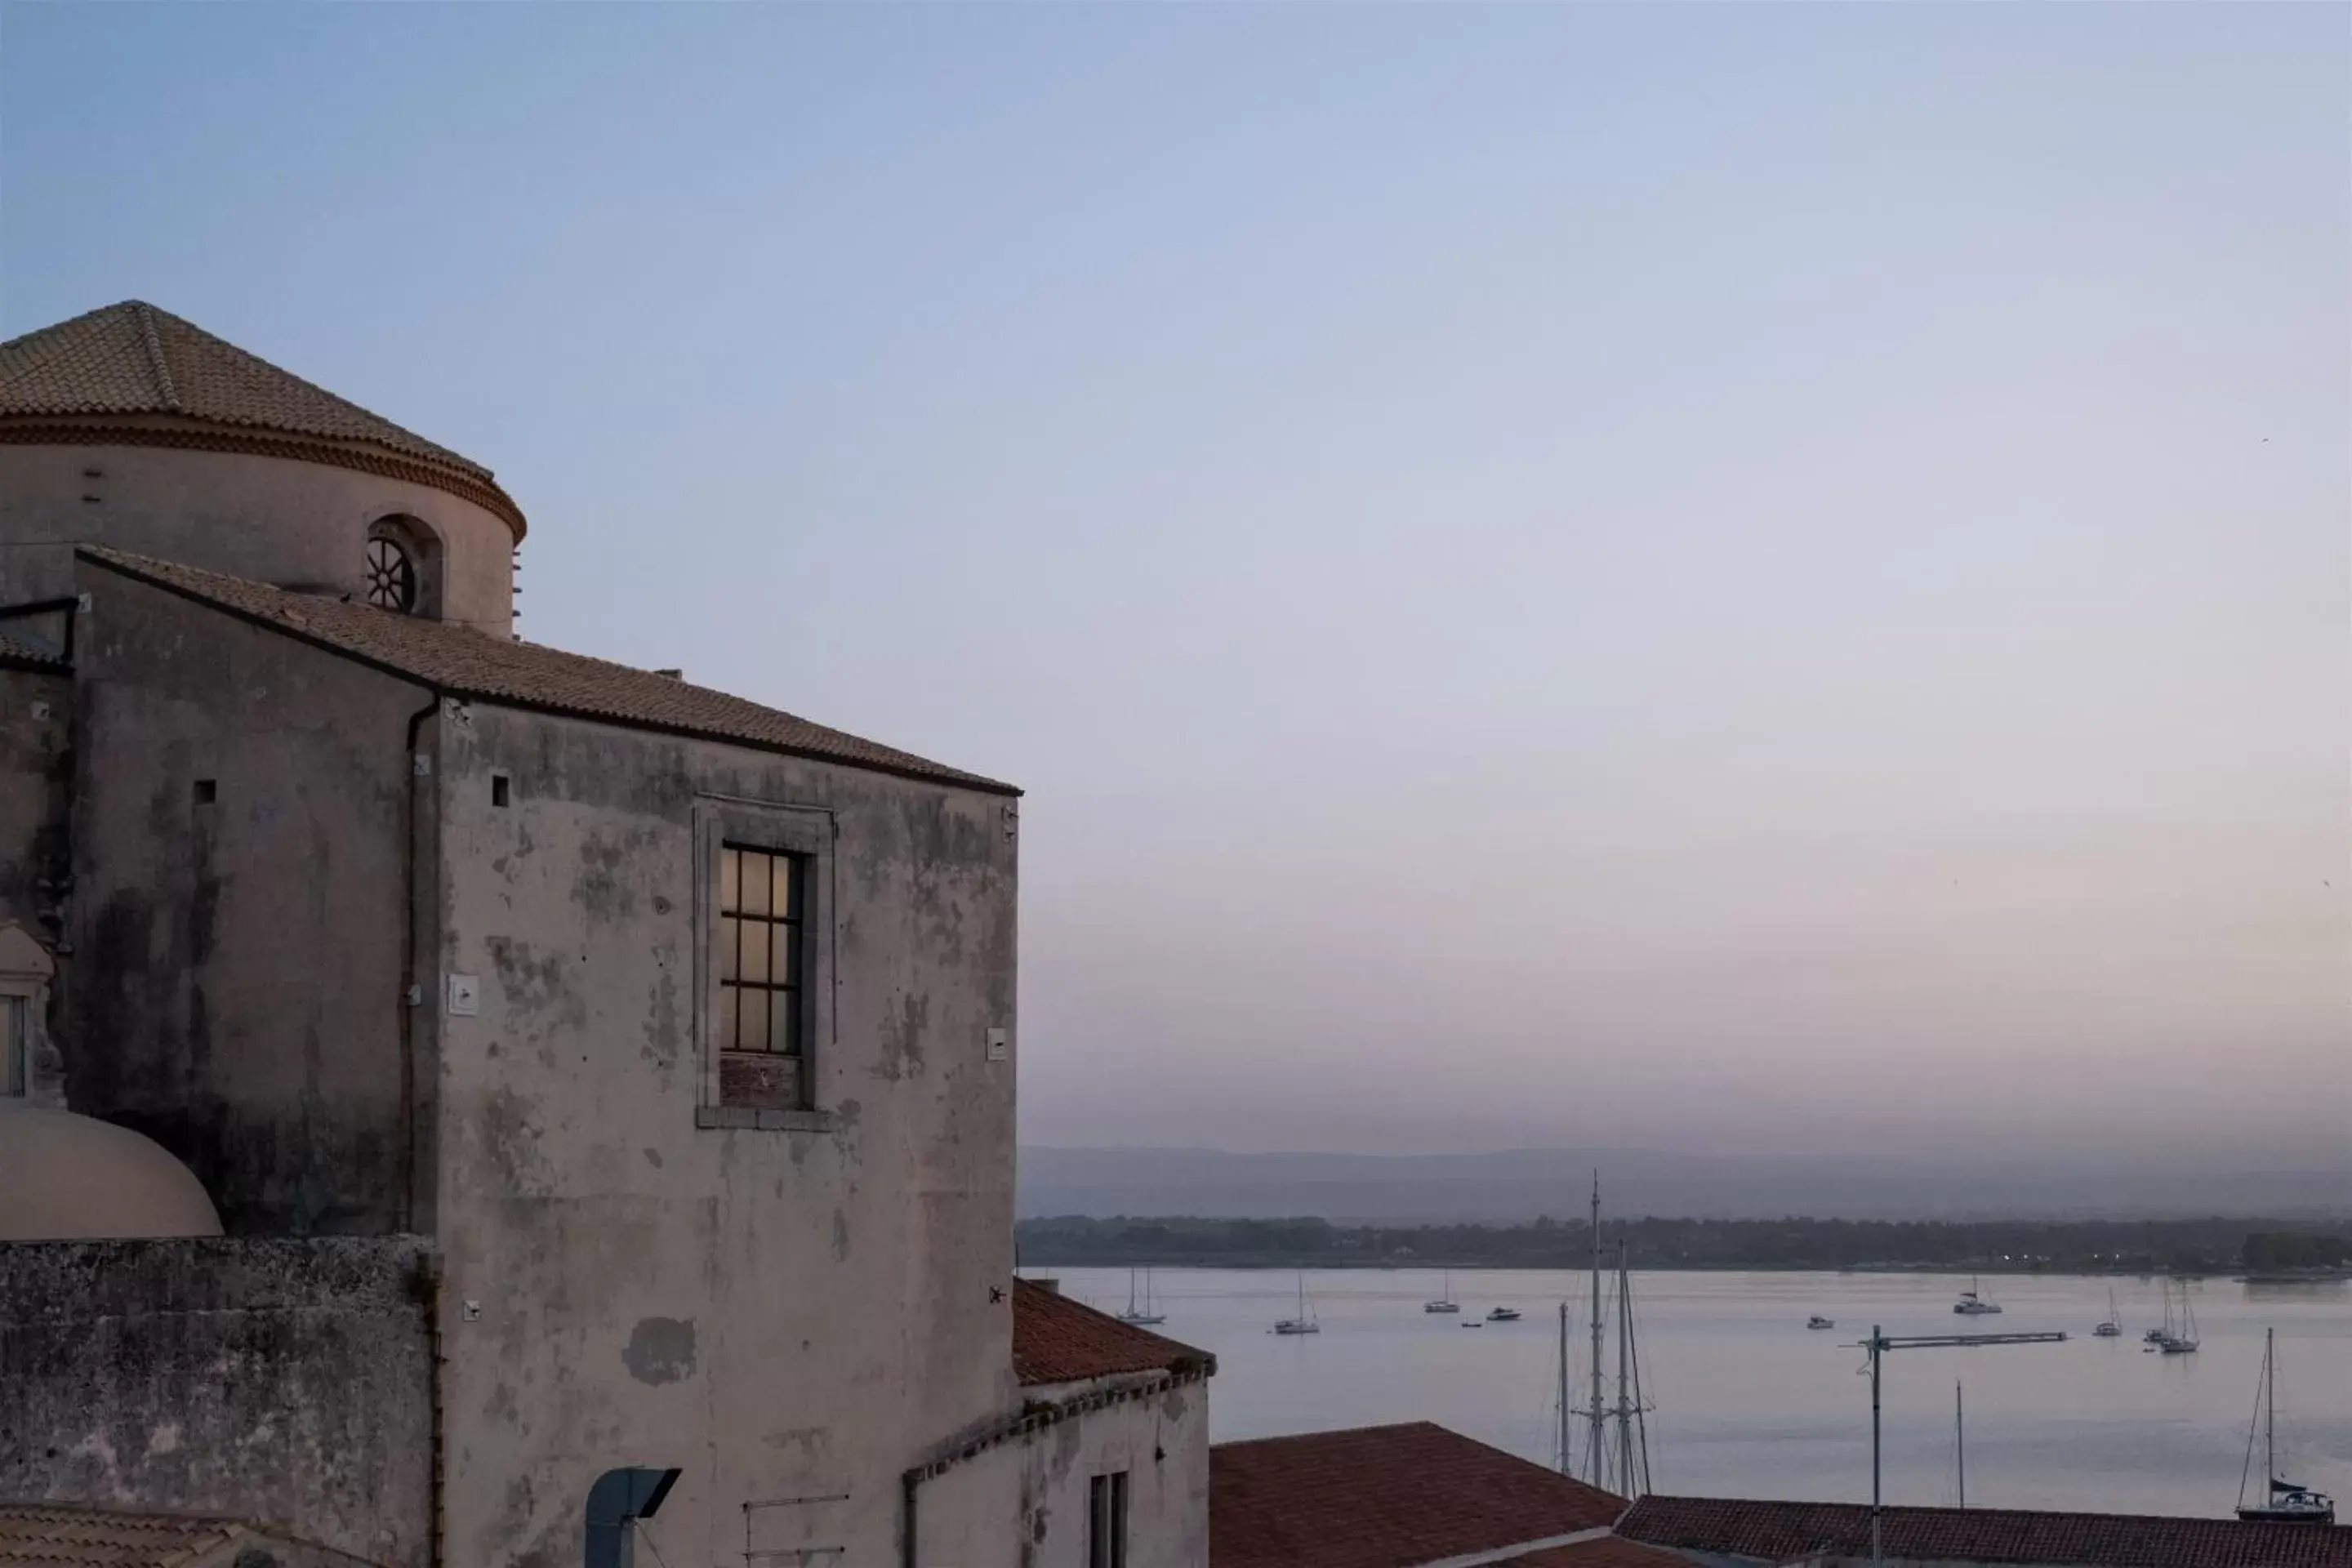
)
(907, 1483)
(413, 997)
(413, 994)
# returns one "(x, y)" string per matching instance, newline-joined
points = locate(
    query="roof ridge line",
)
(154, 342)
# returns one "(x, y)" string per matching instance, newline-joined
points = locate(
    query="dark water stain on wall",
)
(660, 1350)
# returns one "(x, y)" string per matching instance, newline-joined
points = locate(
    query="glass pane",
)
(755, 951)
(730, 878)
(788, 885)
(784, 945)
(751, 1031)
(784, 1023)
(756, 873)
(727, 994)
(725, 940)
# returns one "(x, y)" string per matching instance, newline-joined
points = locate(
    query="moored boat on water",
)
(1143, 1313)
(1972, 1305)
(2287, 1502)
(1303, 1323)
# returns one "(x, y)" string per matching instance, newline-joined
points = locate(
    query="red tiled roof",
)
(1378, 1497)
(1776, 1531)
(462, 662)
(15, 649)
(132, 360)
(40, 1534)
(1056, 1340)
(67, 1535)
(1609, 1551)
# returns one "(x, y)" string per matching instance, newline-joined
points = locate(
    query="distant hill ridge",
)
(1513, 1186)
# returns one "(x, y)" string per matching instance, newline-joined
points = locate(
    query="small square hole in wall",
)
(499, 789)
(207, 791)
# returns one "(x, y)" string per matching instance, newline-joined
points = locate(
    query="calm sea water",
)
(1751, 1403)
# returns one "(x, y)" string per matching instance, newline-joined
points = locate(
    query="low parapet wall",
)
(286, 1381)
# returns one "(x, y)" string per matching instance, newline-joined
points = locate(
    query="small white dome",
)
(75, 1178)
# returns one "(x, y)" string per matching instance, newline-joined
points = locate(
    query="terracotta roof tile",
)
(132, 358)
(1778, 1532)
(462, 662)
(34, 1535)
(1379, 1497)
(1609, 1551)
(1056, 1340)
(18, 650)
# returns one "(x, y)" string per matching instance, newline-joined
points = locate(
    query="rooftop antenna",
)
(1878, 1344)
(1960, 1441)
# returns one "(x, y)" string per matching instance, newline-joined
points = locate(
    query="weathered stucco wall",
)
(1024, 1503)
(249, 943)
(286, 1382)
(782, 1314)
(271, 519)
(35, 782)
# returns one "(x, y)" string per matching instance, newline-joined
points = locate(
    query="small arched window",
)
(391, 574)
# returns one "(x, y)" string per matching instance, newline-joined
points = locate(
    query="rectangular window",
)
(759, 949)
(1107, 1521)
(14, 1070)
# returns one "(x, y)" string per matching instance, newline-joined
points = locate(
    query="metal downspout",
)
(908, 1484)
(410, 999)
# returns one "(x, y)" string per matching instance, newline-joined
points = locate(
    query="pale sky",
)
(1769, 577)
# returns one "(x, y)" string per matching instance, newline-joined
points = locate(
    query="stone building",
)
(585, 1072)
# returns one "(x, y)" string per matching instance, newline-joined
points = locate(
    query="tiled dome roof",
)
(100, 376)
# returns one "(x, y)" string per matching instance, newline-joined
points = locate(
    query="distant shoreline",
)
(1030, 1265)
(2260, 1252)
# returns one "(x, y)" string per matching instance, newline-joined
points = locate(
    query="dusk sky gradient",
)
(1761, 578)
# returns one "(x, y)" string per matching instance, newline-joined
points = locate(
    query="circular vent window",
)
(391, 576)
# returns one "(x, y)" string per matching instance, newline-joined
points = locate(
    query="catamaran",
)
(1446, 1301)
(1303, 1323)
(1143, 1314)
(2289, 1502)
(1971, 1304)
(2113, 1328)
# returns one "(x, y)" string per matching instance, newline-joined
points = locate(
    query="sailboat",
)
(1971, 1304)
(1303, 1323)
(1143, 1314)
(2113, 1327)
(2289, 1502)
(1446, 1301)
(2162, 1331)
(2183, 1339)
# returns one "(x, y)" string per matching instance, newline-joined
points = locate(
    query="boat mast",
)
(1960, 1441)
(1597, 1448)
(1624, 1402)
(1566, 1467)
